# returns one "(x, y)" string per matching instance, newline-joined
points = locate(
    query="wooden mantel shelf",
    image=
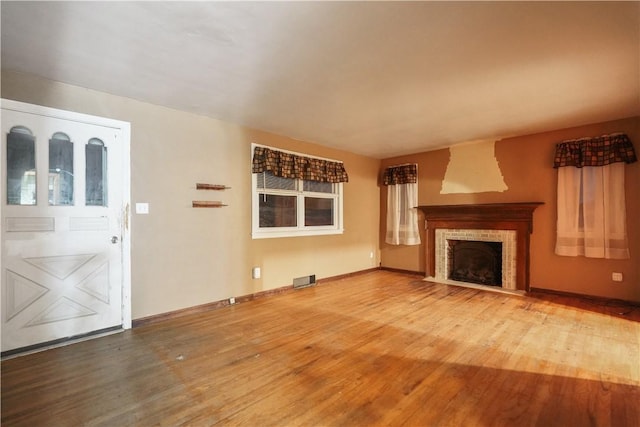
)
(491, 212)
(491, 216)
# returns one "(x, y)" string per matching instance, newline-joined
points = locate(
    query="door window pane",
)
(21, 167)
(60, 170)
(318, 211)
(277, 211)
(96, 173)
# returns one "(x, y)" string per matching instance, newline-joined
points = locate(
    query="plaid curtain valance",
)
(288, 165)
(404, 174)
(598, 151)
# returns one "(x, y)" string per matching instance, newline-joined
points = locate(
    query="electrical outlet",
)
(232, 300)
(371, 254)
(616, 277)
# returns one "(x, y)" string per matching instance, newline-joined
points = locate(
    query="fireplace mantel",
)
(493, 216)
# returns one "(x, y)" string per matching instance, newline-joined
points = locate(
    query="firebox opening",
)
(475, 262)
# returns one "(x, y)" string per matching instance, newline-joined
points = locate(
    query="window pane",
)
(318, 187)
(96, 173)
(60, 170)
(318, 211)
(277, 211)
(267, 180)
(21, 167)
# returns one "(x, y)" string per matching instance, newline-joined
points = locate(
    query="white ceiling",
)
(375, 78)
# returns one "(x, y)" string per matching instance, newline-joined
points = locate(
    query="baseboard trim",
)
(157, 318)
(599, 299)
(347, 275)
(399, 270)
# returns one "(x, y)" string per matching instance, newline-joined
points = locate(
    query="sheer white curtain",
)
(402, 202)
(591, 202)
(591, 212)
(402, 215)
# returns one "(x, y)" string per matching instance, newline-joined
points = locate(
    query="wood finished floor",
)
(381, 348)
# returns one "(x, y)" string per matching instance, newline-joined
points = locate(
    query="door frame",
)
(125, 228)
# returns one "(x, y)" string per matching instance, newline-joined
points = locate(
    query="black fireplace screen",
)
(475, 262)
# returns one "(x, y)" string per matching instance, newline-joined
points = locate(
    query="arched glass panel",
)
(96, 173)
(21, 166)
(60, 170)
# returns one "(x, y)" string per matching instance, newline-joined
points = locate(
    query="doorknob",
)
(114, 239)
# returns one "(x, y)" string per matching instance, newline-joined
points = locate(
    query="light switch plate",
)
(142, 208)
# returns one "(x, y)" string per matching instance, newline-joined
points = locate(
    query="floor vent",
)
(304, 281)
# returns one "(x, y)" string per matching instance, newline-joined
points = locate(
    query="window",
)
(402, 200)
(287, 207)
(591, 219)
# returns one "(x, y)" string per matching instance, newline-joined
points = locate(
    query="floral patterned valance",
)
(598, 151)
(404, 174)
(288, 165)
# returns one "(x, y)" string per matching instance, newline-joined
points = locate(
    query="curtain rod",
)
(403, 164)
(586, 138)
(255, 144)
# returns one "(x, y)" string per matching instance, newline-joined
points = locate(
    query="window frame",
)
(300, 229)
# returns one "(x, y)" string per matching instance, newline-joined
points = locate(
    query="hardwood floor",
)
(382, 348)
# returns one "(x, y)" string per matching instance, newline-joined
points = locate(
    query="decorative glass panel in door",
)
(96, 173)
(21, 166)
(60, 170)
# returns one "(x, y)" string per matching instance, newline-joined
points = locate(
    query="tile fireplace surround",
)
(506, 237)
(508, 223)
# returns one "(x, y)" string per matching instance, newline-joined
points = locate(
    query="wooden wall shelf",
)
(201, 186)
(207, 204)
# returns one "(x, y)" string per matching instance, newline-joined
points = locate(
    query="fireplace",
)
(497, 231)
(475, 262)
(444, 260)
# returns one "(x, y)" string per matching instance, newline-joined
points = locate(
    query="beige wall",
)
(182, 256)
(526, 165)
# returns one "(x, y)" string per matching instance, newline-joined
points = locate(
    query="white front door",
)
(63, 222)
